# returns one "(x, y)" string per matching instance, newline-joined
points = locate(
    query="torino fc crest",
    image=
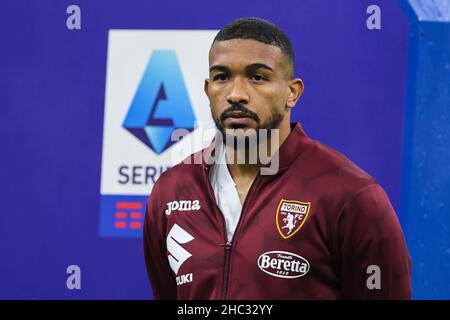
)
(290, 217)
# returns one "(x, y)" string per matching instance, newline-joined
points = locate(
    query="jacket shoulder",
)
(321, 161)
(182, 172)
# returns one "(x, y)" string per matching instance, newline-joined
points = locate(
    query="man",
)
(317, 227)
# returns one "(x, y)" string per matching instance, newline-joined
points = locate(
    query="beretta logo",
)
(283, 264)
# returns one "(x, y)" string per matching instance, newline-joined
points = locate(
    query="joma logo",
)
(182, 205)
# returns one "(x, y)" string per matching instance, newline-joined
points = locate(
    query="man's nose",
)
(238, 94)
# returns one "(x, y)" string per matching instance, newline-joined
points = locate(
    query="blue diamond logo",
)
(161, 103)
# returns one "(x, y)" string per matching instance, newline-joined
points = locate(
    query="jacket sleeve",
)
(161, 276)
(374, 260)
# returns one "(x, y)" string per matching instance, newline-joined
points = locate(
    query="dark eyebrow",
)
(218, 68)
(255, 66)
(249, 67)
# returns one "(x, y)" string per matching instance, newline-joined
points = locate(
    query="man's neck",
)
(248, 171)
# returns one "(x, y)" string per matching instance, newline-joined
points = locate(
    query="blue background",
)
(52, 85)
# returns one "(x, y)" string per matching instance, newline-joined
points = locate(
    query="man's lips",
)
(237, 115)
(240, 119)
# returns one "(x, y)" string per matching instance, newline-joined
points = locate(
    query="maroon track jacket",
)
(321, 228)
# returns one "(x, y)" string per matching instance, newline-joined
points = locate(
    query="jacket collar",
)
(290, 150)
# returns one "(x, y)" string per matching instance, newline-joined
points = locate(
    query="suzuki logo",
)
(177, 254)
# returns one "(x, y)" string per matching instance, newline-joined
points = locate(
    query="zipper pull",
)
(228, 245)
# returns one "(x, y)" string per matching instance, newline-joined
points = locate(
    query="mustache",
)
(238, 108)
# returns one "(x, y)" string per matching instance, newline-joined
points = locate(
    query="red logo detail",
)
(128, 216)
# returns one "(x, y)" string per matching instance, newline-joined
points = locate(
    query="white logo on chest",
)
(177, 254)
(283, 264)
(182, 205)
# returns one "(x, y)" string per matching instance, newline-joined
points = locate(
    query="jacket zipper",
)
(226, 271)
(229, 244)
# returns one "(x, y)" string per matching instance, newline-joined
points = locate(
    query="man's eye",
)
(220, 77)
(257, 77)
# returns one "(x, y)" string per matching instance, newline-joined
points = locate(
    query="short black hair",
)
(259, 30)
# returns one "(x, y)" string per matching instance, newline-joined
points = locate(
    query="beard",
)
(237, 133)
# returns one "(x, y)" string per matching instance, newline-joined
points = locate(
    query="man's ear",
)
(205, 86)
(295, 88)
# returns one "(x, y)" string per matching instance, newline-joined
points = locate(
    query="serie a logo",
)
(161, 103)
